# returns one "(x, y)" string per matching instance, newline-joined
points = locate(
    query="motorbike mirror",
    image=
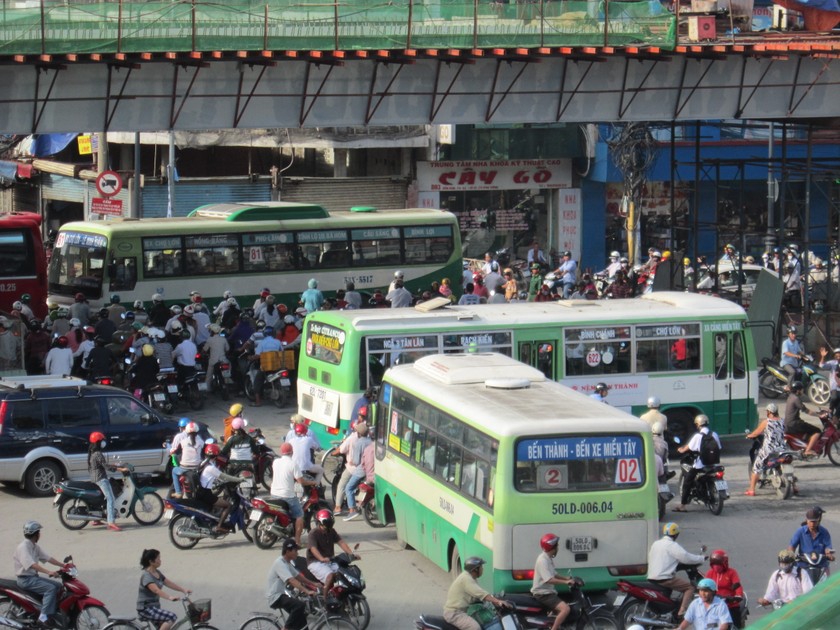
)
(356, 546)
(677, 439)
(703, 548)
(68, 559)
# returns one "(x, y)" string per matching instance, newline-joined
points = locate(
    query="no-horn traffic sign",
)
(108, 183)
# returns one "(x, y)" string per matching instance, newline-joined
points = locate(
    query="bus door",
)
(731, 383)
(541, 354)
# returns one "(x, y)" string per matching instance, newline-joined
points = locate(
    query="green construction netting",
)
(107, 27)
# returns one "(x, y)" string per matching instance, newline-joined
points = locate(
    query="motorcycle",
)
(81, 502)
(650, 600)
(709, 487)
(584, 614)
(191, 520)
(271, 520)
(277, 385)
(814, 565)
(665, 493)
(157, 396)
(76, 608)
(773, 380)
(347, 588)
(264, 458)
(490, 619)
(777, 469)
(827, 445)
(366, 504)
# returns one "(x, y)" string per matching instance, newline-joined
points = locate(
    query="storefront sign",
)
(494, 175)
(569, 214)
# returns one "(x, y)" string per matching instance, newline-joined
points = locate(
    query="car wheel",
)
(41, 477)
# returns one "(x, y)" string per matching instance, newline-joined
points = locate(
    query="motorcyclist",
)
(322, 542)
(267, 345)
(143, 373)
(546, 578)
(35, 347)
(772, 430)
(59, 361)
(833, 367)
(190, 444)
(813, 538)
(184, 357)
(216, 348)
(708, 610)
(792, 352)
(664, 556)
(613, 266)
(694, 446)
(285, 474)
(208, 490)
(285, 579)
(785, 584)
(304, 445)
(727, 580)
(600, 393)
(660, 446)
(653, 415)
(794, 422)
(98, 468)
(465, 591)
(240, 448)
(100, 360)
(29, 559)
(235, 411)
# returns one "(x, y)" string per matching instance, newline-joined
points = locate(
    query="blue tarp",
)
(8, 170)
(51, 143)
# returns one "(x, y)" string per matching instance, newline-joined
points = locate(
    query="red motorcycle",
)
(271, 520)
(829, 443)
(650, 600)
(366, 504)
(76, 609)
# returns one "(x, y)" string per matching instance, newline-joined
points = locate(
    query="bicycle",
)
(196, 615)
(319, 616)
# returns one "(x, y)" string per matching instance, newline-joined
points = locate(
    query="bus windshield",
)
(78, 264)
(17, 254)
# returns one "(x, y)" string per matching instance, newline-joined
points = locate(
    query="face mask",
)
(787, 568)
(103, 444)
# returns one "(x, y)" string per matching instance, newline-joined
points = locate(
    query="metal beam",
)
(491, 112)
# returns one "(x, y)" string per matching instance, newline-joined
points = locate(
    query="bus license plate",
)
(159, 397)
(285, 382)
(581, 544)
(172, 389)
(255, 515)
(721, 485)
(168, 514)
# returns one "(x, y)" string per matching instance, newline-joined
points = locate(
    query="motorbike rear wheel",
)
(767, 384)
(599, 620)
(819, 391)
(222, 388)
(357, 609)
(279, 395)
(784, 490)
(335, 622)
(833, 452)
(267, 475)
(631, 608)
(194, 397)
(264, 538)
(92, 618)
(72, 506)
(10, 609)
(371, 516)
(148, 509)
(177, 526)
(713, 499)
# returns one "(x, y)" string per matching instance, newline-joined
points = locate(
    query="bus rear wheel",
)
(455, 567)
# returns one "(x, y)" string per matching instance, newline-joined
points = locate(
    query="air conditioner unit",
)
(701, 27)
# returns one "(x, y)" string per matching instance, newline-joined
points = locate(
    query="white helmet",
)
(189, 309)
(614, 254)
(75, 322)
(653, 402)
(157, 297)
(176, 326)
(399, 274)
(17, 306)
(138, 304)
(227, 294)
(232, 302)
(175, 309)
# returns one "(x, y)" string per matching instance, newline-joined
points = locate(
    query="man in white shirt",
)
(546, 578)
(285, 475)
(708, 610)
(787, 582)
(664, 556)
(184, 357)
(695, 445)
(399, 296)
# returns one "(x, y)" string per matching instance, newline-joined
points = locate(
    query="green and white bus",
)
(692, 351)
(478, 454)
(245, 247)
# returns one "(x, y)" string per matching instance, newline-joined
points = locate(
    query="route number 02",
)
(628, 471)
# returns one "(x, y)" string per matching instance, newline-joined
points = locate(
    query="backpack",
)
(709, 450)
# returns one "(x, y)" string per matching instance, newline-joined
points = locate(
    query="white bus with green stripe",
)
(692, 351)
(480, 455)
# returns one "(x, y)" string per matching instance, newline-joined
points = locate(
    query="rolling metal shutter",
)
(189, 195)
(341, 193)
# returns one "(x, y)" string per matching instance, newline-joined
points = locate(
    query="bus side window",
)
(721, 366)
(123, 273)
(739, 370)
(429, 453)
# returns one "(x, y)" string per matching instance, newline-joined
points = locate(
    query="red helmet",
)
(300, 429)
(286, 449)
(79, 297)
(211, 450)
(96, 437)
(549, 542)
(325, 517)
(720, 557)
(62, 342)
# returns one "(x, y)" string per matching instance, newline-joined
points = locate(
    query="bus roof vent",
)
(507, 383)
(476, 368)
(260, 211)
(578, 303)
(363, 209)
(433, 304)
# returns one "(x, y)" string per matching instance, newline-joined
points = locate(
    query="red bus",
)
(23, 262)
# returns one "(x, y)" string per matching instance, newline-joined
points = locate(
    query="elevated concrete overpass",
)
(153, 66)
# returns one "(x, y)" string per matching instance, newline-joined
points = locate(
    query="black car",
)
(46, 421)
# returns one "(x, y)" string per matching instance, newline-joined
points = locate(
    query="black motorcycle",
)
(709, 487)
(777, 469)
(348, 587)
(584, 614)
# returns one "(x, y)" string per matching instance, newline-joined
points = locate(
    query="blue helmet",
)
(707, 584)
(268, 331)
(183, 422)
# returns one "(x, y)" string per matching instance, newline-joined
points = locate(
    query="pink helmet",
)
(237, 423)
